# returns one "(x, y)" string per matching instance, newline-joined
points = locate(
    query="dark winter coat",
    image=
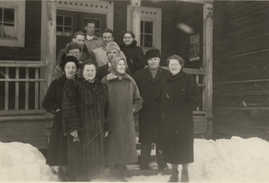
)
(150, 114)
(84, 109)
(135, 57)
(124, 101)
(52, 103)
(178, 99)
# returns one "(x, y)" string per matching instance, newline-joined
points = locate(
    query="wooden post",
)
(136, 19)
(208, 64)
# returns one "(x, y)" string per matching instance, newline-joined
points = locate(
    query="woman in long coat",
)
(52, 103)
(133, 53)
(178, 99)
(85, 103)
(124, 101)
(149, 81)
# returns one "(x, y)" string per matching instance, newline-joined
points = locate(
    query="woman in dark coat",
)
(52, 103)
(150, 81)
(85, 102)
(133, 53)
(178, 100)
(124, 101)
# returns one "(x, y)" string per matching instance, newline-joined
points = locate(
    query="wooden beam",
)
(136, 18)
(188, 1)
(208, 64)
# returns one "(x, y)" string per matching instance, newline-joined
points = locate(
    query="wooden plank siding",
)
(31, 50)
(241, 68)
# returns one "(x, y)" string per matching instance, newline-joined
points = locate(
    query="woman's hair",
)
(128, 32)
(73, 46)
(68, 59)
(88, 62)
(176, 57)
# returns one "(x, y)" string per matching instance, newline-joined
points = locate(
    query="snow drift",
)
(225, 160)
(23, 162)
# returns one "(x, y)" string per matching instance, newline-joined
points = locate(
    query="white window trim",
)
(156, 19)
(97, 8)
(19, 7)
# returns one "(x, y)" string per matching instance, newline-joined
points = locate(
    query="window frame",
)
(63, 33)
(19, 23)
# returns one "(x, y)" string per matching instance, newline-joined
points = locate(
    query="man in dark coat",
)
(150, 81)
(179, 97)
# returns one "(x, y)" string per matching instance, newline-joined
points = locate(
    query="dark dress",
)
(57, 141)
(150, 114)
(178, 99)
(86, 103)
(135, 57)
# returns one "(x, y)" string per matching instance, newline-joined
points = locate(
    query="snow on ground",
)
(23, 162)
(224, 160)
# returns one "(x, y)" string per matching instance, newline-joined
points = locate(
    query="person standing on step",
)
(124, 100)
(150, 81)
(179, 97)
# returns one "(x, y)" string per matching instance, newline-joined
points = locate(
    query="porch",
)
(23, 83)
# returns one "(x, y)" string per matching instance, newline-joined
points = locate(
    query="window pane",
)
(148, 40)
(9, 16)
(59, 29)
(141, 26)
(148, 27)
(67, 29)
(59, 20)
(1, 15)
(141, 40)
(68, 20)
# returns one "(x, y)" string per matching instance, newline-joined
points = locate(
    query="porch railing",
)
(20, 86)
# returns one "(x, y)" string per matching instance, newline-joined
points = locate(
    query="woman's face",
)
(111, 54)
(121, 67)
(174, 66)
(70, 70)
(89, 72)
(127, 39)
(154, 63)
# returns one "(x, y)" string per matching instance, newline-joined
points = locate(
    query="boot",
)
(174, 176)
(184, 173)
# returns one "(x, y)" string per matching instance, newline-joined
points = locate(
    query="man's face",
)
(79, 40)
(90, 29)
(107, 37)
(74, 52)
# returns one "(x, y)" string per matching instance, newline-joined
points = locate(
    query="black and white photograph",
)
(134, 91)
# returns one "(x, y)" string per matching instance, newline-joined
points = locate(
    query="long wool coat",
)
(124, 100)
(135, 57)
(150, 114)
(178, 99)
(57, 141)
(85, 106)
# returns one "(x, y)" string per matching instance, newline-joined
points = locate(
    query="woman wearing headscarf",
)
(85, 102)
(178, 99)
(124, 101)
(133, 53)
(52, 103)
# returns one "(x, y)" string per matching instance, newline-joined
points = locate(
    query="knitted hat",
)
(115, 61)
(176, 57)
(111, 46)
(68, 59)
(152, 53)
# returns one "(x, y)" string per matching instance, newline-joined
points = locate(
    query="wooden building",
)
(32, 32)
(241, 68)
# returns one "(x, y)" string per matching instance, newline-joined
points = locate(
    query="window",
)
(146, 39)
(64, 25)
(12, 23)
(194, 54)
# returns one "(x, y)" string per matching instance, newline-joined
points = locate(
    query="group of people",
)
(98, 91)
